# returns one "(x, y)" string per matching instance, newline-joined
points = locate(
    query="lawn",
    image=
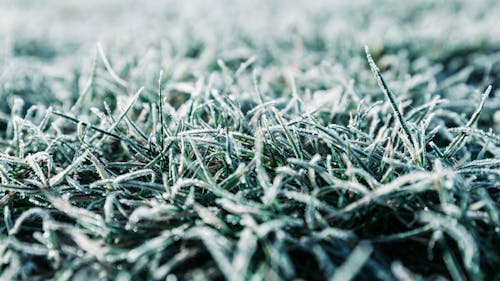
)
(249, 140)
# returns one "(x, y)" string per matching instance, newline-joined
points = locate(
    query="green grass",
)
(267, 154)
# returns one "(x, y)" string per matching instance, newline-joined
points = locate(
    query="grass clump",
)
(254, 160)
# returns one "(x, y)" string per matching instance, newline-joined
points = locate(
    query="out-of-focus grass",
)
(250, 140)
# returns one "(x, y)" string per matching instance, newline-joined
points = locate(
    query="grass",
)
(258, 156)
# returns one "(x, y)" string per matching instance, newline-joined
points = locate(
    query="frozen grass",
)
(250, 141)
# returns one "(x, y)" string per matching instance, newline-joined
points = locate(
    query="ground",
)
(249, 140)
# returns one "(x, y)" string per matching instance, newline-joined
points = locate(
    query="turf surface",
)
(249, 140)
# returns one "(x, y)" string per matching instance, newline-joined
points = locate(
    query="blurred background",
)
(47, 48)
